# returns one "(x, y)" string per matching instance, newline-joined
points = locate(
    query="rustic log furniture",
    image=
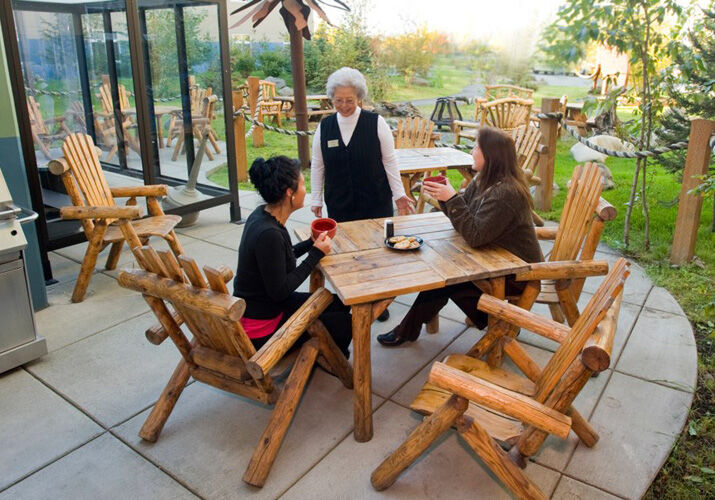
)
(269, 106)
(414, 132)
(200, 124)
(368, 276)
(109, 116)
(45, 131)
(103, 221)
(491, 406)
(222, 355)
(323, 108)
(505, 114)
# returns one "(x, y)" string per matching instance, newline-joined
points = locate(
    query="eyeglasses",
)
(340, 102)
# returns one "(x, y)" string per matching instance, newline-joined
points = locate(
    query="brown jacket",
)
(500, 216)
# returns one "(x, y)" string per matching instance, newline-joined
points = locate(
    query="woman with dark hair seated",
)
(494, 209)
(267, 276)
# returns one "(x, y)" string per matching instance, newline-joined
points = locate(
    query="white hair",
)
(347, 77)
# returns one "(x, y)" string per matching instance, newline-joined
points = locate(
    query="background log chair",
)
(505, 114)
(45, 132)
(221, 354)
(200, 123)
(414, 132)
(527, 141)
(492, 408)
(269, 106)
(104, 222)
(107, 114)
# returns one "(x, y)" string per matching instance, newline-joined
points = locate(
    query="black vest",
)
(356, 185)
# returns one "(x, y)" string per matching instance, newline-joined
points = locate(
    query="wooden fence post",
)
(253, 84)
(690, 205)
(239, 138)
(549, 135)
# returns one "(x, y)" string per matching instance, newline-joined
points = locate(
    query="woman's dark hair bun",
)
(272, 177)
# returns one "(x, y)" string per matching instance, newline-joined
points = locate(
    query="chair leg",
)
(177, 148)
(497, 460)
(212, 139)
(162, 409)
(90, 260)
(433, 325)
(556, 313)
(272, 437)
(332, 355)
(417, 442)
(114, 253)
(586, 433)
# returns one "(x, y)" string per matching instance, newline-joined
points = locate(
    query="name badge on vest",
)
(334, 143)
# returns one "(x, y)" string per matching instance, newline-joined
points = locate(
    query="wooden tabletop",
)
(412, 160)
(363, 270)
(290, 98)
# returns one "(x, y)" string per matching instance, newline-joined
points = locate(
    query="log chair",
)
(221, 354)
(491, 407)
(104, 222)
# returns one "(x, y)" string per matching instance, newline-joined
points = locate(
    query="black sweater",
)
(267, 272)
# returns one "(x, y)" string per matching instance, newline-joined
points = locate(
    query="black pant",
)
(429, 303)
(336, 318)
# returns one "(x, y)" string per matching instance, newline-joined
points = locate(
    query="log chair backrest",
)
(493, 92)
(584, 327)
(269, 90)
(413, 132)
(105, 96)
(526, 141)
(578, 212)
(506, 114)
(81, 155)
(208, 310)
(36, 121)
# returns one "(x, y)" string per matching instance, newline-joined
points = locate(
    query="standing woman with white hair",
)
(354, 161)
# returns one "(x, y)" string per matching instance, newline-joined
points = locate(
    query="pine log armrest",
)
(547, 233)
(220, 351)
(131, 212)
(517, 316)
(104, 222)
(478, 400)
(564, 270)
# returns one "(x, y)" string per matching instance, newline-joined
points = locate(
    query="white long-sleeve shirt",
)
(347, 127)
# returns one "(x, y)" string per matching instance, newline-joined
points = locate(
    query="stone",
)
(285, 91)
(582, 153)
(279, 82)
(570, 489)
(388, 109)
(606, 178)
(111, 388)
(104, 468)
(418, 81)
(637, 422)
(38, 426)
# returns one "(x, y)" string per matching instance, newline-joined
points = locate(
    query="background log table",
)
(368, 276)
(415, 163)
(324, 107)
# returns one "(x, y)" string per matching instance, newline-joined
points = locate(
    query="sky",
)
(498, 21)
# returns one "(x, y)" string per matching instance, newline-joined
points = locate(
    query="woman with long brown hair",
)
(494, 209)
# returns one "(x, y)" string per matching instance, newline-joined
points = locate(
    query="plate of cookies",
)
(404, 242)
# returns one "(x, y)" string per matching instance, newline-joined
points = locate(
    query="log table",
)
(415, 163)
(324, 107)
(368, 276)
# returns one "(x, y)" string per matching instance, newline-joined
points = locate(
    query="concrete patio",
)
(69, 421)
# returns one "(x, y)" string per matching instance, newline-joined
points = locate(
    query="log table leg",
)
(317, 280)
(362, 375)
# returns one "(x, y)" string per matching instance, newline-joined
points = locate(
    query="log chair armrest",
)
(133, 191)
(547, 233)
(58, 166)
(596, 355)
(522, 318)
(131, 212)
(464, 124)
(563, 269)
(497, 398)
(272, 351)
(605, 210)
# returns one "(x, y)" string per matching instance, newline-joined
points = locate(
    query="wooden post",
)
(239, 137)
(696, 164)
(362, 372)
(300, 106)
(549, 135)
(253, 84)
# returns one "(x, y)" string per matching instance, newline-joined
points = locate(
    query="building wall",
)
(12, 165)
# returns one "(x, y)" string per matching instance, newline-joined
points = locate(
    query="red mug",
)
(322, 225)
(441, 179)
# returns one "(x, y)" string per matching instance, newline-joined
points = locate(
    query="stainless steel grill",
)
(19, 342)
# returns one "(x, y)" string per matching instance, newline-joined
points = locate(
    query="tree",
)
(692, 89)
(640, 29)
